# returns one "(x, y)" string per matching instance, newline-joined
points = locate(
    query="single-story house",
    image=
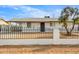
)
(34, 24)
(31, 24)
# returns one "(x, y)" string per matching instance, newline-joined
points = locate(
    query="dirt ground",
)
(75, 35)
(40, 49)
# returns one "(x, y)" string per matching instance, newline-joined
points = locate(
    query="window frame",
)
(28, 24)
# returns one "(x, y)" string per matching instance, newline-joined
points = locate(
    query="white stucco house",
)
(41, 24)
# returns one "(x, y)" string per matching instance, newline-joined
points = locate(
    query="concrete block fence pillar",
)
(56, 33)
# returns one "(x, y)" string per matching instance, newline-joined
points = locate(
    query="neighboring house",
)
(3, 23)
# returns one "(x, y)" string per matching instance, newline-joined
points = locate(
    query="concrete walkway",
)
(25, 42)
(39, 42)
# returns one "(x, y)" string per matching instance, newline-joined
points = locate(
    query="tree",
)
(69, 13)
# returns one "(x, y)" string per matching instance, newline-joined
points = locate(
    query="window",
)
(0, 27)
(28, 24)
(50, 23)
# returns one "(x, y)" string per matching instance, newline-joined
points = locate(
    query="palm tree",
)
(69, 13)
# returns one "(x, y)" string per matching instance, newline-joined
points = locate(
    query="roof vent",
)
(46, 16)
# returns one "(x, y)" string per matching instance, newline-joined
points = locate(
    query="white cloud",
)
(15, 8)
(33, 12)
(58, 12)
(3, 17)
(9, 6)
(27, 11)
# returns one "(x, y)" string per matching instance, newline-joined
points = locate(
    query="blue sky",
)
(31, 11)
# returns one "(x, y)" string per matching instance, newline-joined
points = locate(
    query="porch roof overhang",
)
(34, 20)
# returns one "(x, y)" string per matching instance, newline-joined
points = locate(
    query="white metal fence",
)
(23, 29)
(18, 32)
(64, 30)
(55, 40)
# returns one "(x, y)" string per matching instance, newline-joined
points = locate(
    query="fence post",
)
(56, 33)
(2, 28)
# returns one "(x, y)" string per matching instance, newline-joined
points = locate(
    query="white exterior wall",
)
(24, 27)
(47, 27)
(36, 25)
(33, 26)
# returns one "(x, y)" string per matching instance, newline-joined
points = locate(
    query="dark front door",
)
(42, 27)
(0, 28)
